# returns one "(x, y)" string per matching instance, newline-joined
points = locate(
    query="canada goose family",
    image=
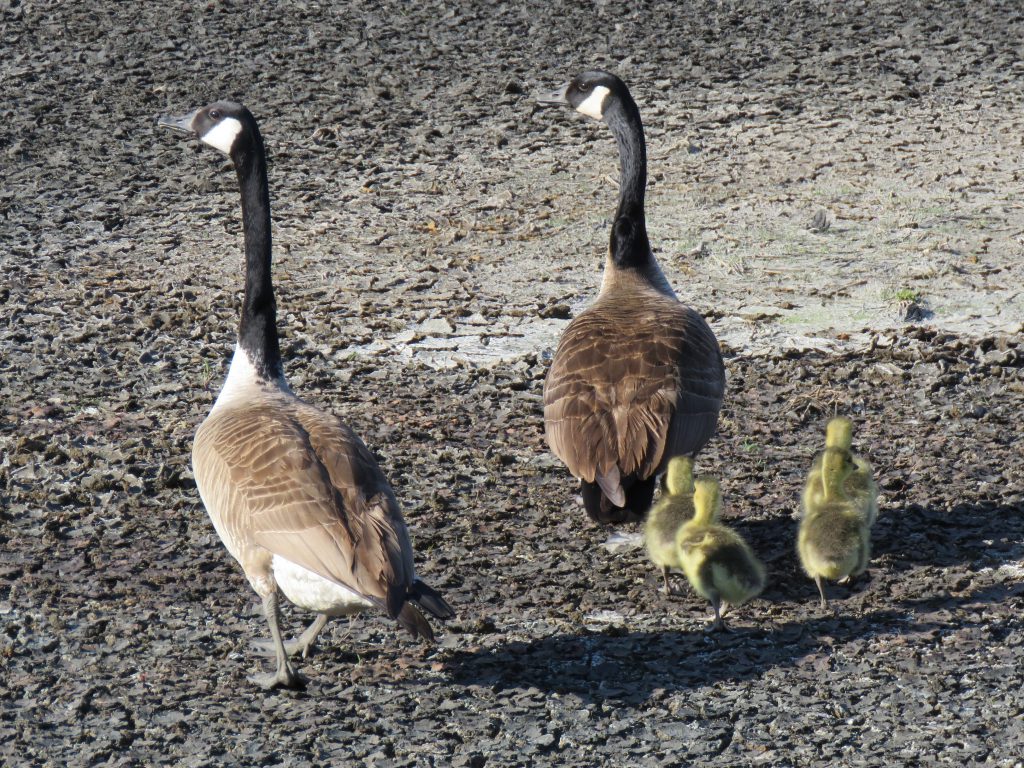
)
(673, 509)
(718, 563)
(637, 377)
(833, 540)
(859, 484)
(294, 494)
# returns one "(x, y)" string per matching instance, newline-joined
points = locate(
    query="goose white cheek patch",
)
(222, 136)
(593, 105)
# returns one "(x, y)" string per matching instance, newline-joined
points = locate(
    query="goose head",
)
(707, 500)
(224, 125)
(591, 93)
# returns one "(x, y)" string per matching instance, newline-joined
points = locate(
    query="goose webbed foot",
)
(284, 677)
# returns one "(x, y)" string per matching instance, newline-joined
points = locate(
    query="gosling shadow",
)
(629, 666)
(982, 535)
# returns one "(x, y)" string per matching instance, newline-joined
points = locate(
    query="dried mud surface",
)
(433, 234)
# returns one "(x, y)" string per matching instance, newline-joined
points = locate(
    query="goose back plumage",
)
(626, 403)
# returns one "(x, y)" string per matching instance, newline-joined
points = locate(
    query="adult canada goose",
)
(293, 493)
(719, 564)
(673, 509)
(833, 540)
(859, 483)
(637, 377)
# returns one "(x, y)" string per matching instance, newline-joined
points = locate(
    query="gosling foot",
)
(669, 588)
(717, 625)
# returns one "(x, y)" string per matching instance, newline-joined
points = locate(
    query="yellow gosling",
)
(833, 541)
(859, 485)
(718, 563)
(673, 509)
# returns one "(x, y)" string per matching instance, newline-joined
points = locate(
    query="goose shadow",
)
(630, 666)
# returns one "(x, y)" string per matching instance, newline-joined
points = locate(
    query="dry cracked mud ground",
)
(433, 234)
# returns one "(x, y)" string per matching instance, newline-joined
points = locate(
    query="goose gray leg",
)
(284, 676)
(308, 638)
(302, 644)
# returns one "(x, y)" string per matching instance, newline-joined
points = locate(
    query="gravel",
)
(433, 235)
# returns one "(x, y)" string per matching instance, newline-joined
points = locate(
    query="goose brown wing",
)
(383, 551)
(300, 484)
(628, 381)
(701, 387)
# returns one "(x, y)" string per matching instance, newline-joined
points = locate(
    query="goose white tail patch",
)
(315, 593)
(593, 105)
(222, 136)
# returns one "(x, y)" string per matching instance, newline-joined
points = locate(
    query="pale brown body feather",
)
(279, 476)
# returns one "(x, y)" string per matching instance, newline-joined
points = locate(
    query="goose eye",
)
(215, 114)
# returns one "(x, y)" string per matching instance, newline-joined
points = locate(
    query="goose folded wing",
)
(608, 401)
(294, 508)
(633, 400)
(701, 385)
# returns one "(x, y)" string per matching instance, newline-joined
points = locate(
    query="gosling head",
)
(836, 466)
(839, 433)
(591, 93)
(224, 125)
(679, 478)
(707, 500)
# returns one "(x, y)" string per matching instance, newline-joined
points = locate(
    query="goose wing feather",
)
(632, 384)
(298, 483)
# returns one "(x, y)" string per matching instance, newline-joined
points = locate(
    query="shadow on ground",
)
(629, 666)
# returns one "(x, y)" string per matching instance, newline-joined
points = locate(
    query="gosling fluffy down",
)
(673, 509)
(719, 564)
(859, 484)
(833, 541)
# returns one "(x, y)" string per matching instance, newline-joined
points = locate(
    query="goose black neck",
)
(629, 244)
(257, 329)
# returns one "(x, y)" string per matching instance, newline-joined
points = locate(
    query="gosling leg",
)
(669, 588)
(717, 625)
(821, 590)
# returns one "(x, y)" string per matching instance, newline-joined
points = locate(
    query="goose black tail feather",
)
(639, 494)
(430, 600)
(413, 620)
